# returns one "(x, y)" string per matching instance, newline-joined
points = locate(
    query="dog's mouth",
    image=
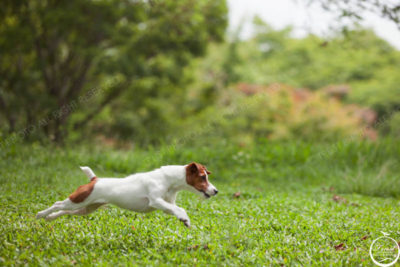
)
(205, 194)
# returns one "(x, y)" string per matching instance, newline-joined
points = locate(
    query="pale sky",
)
(281, 13)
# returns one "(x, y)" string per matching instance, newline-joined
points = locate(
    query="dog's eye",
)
(203, 177)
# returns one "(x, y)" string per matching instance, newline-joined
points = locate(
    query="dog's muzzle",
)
(211, 191)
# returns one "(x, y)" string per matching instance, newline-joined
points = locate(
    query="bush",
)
(277, 112)
(394, 125)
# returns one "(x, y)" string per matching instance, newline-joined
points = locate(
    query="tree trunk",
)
(11, 123)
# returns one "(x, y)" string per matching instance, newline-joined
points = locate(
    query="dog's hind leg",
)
(60, 205)
(82, 211)
(74, 202)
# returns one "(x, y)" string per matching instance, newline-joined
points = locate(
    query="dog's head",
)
(197, 178)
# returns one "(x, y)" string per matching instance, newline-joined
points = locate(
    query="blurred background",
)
(132, 74)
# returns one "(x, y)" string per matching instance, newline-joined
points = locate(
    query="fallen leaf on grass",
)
(133, 227)
(236, 195)
(364, 237)
(337, 198)
(340, 247)
(340, 199)
(194, 247)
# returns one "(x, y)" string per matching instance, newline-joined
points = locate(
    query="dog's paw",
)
(40, 215)
(186, 222)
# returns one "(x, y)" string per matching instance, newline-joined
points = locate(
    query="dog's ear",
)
(194, 167)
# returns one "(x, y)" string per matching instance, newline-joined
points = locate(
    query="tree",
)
(354, 9)
(54, 51)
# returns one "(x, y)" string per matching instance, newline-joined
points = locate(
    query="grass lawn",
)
(293, 209)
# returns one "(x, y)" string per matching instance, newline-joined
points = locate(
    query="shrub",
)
(277, 112)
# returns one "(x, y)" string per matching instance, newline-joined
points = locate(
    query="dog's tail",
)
(89, 173)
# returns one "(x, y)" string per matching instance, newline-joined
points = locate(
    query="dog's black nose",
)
(215, 191)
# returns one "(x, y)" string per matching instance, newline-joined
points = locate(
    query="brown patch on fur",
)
(83, 191)
(195, 173)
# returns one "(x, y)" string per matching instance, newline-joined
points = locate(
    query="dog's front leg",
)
(169, 208)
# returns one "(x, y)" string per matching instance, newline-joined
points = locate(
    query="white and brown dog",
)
(140, 192)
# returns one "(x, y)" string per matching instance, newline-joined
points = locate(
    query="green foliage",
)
(311, 62)
(282, 216)
(56, 51)
(134, 65)
(360, 59)
(393, 125)
(382, 93)
(250, 113)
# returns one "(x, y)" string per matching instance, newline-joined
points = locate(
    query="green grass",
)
(285, 213)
